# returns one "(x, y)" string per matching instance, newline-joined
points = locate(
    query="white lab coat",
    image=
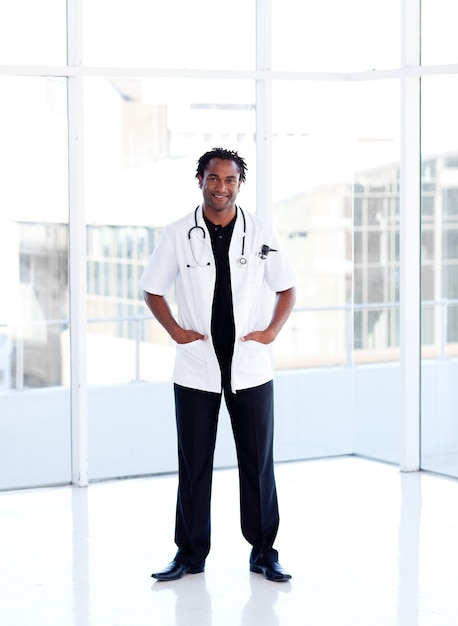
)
(193, 271)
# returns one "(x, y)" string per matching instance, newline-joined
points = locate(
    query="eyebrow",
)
(226, 177)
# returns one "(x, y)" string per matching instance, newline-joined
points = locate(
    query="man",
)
(228, 267)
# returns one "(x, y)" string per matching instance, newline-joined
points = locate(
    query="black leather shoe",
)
(174, 571)
(272, 571)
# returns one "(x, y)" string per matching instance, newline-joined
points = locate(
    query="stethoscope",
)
(240, 262)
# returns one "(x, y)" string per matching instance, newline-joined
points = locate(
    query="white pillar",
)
(263, 109)
(77, 260)
(410, 237)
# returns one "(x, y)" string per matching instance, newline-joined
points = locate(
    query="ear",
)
(199, 178)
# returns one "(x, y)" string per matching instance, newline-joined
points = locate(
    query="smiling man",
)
(220, 183)
(235, 291)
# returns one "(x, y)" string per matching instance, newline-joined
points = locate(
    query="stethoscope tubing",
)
(241, 262)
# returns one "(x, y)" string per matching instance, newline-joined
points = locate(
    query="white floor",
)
(366, 545)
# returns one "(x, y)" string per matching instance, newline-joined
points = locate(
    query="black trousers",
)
(252, 420)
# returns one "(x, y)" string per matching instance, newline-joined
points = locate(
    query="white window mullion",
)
(263, 109)
(77, 260)
(410, 234)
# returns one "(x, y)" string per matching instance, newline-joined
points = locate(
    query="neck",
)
(220, 218)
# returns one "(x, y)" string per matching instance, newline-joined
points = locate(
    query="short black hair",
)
(221, 153)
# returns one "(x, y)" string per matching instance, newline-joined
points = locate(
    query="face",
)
(220, 185)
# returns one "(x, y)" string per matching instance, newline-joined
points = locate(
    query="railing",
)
(444, 305)
(138, 321)
(349, 310)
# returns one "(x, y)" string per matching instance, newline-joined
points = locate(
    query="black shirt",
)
(222, 326)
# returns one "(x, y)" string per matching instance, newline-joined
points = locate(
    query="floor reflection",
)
(191, 599)
(365, 544)
(409, 540)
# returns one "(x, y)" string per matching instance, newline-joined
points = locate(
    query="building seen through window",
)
(361, 243)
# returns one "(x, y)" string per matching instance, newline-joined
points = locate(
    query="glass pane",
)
(143, 139)
(439, 43)
(33, 33)
(34, 200)
(327, 160)
(337, 178)
(175, 34)
(440, 275)
(34, 346)
(335, 36)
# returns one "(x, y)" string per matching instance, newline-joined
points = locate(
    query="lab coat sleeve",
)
(279, 273)
(162, 268)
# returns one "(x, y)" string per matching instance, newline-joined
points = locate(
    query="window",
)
(137, 34)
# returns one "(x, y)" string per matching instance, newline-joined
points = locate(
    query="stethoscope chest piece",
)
(241, 262)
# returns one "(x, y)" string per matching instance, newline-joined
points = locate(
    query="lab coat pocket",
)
(191, 353)
(254, 363)
(191, 366)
